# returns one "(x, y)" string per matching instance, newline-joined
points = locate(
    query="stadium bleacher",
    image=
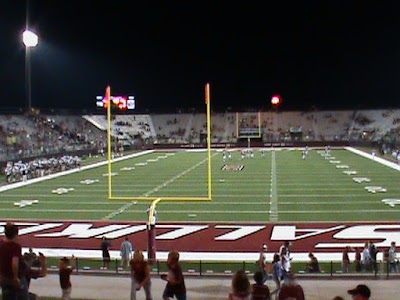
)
(27, 135)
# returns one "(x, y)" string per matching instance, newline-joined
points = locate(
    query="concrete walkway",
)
(200, 288)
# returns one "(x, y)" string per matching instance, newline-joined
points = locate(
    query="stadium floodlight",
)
(30, 39)
(276, 100)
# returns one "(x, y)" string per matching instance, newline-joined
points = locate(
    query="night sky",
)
(324, 54)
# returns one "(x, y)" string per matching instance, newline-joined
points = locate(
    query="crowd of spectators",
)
(38, 134)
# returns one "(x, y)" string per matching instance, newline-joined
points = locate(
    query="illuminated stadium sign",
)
(121, 102)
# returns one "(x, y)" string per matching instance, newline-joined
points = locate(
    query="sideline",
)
(376, 158)
(16, 185)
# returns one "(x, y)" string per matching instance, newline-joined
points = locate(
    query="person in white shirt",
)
(126, 253)
(284, 252)
(393, 260)
(365, 258)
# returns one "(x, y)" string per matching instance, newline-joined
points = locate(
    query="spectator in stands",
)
(140, 275)
(259, 291)
(10, 254)
(126, 252)
(313, 264)
(262, 262)
(175, 280)
(290, 289)
(360, 292)
(105, 245)
(240, 286)
(65, 271)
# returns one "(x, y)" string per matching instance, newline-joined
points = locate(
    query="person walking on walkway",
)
(262, 263)
(126, 252)
(105, 245)
(175, 280)
(140, 275)
(65, 271)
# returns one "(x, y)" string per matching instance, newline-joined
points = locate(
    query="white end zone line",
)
(377, 159)
(16, 185)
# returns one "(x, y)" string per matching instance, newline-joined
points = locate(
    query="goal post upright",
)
(237, 124)
(209, 181)
(108, 101)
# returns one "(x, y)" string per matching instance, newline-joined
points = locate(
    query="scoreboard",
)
(120, 102)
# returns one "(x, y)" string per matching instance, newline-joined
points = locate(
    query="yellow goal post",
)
(110, 159)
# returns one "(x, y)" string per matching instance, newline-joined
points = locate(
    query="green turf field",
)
(279, 186)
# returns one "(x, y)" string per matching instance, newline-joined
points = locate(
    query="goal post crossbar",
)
(161, 198)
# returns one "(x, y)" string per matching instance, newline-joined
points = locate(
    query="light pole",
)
(30, 40)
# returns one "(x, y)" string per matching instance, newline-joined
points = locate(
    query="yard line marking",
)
(273, 213)
(156, 189)
(218, 196)
(344, 211)
(212, 203)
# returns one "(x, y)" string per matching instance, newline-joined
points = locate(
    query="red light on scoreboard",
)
(276, 100)
(121, 102)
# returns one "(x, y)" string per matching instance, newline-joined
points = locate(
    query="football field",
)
(277, 186)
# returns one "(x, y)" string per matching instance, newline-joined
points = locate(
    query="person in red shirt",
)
(175, 281)
(358, 260)
(346, 259)
(65, 272)
(10, 254)
(140, 275)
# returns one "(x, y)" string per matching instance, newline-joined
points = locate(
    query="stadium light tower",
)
(30, 40)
